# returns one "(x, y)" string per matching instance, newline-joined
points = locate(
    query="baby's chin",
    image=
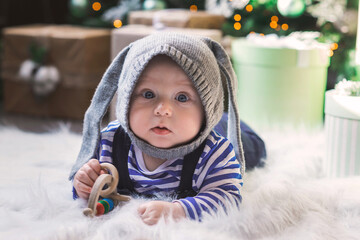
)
(164, 145)
(167, 145)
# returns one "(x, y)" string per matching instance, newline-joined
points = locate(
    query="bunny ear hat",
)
(207, 66)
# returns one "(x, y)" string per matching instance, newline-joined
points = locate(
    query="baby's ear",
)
(223, 60)
(226, 69)
(103, 95)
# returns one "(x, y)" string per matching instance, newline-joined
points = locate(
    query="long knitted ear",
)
(233, 129)
(97, 109)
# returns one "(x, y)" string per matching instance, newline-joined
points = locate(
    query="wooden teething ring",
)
(110, 192)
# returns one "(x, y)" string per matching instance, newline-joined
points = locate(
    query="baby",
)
(170, 98)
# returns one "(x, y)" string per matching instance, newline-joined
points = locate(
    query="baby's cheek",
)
(193, 126)
(134, 119)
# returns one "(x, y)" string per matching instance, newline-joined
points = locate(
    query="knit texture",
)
(202, 59)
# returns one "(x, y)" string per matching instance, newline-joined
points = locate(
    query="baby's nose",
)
(163, 109)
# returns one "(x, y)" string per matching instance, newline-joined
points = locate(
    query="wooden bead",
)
(110, 202)
(100, 209)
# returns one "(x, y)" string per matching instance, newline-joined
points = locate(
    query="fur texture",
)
(288, 199)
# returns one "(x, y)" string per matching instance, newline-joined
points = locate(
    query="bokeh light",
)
(273, 24)
(237, 26)
(237, 17)
(117, 23)
(249, 8)
(284, 27)
(274, 19)
(334, 46)
(193, 8)
(96, 6)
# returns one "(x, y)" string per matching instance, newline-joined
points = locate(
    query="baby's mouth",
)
(161, 130)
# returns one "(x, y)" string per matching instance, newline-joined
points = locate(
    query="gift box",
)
(80, 56)
(280, 85)
(180, 18)
(342, 130)
(122, 37)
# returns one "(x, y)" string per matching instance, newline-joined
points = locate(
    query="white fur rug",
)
(288, 199)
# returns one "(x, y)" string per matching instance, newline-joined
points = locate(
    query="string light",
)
(96, 6)
(274, 19)
(237, 17)
(117, 23)
(249, 8)
(193, 8)
(273, 24)
(284, 27)
(334, 46)
(237, 26)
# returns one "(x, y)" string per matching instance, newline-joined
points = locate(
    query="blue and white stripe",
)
(217, 177)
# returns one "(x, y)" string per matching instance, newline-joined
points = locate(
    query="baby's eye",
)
(148, 95)
(182, 98)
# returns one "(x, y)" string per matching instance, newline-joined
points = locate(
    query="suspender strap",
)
(120, 151)
(190, 161)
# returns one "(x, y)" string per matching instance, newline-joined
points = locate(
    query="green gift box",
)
(278, 85)
(342, 130)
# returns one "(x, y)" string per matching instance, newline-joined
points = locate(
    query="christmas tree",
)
(334, 19)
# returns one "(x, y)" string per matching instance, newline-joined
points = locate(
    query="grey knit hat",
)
(202, 59)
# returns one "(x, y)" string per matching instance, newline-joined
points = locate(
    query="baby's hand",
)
(85, 178)
(151, 212)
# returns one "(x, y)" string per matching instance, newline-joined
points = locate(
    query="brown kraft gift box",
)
(81, 56)
(180, 18)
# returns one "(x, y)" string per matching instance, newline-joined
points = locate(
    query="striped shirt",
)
(216, 179)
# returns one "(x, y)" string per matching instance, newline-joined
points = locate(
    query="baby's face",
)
(165, 108)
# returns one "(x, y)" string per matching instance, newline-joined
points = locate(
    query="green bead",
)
(106, 205)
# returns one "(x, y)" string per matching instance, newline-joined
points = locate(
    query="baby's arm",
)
(85, 178)
(151, 212)
(219, 181)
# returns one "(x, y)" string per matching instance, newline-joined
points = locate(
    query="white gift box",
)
(342, 130)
